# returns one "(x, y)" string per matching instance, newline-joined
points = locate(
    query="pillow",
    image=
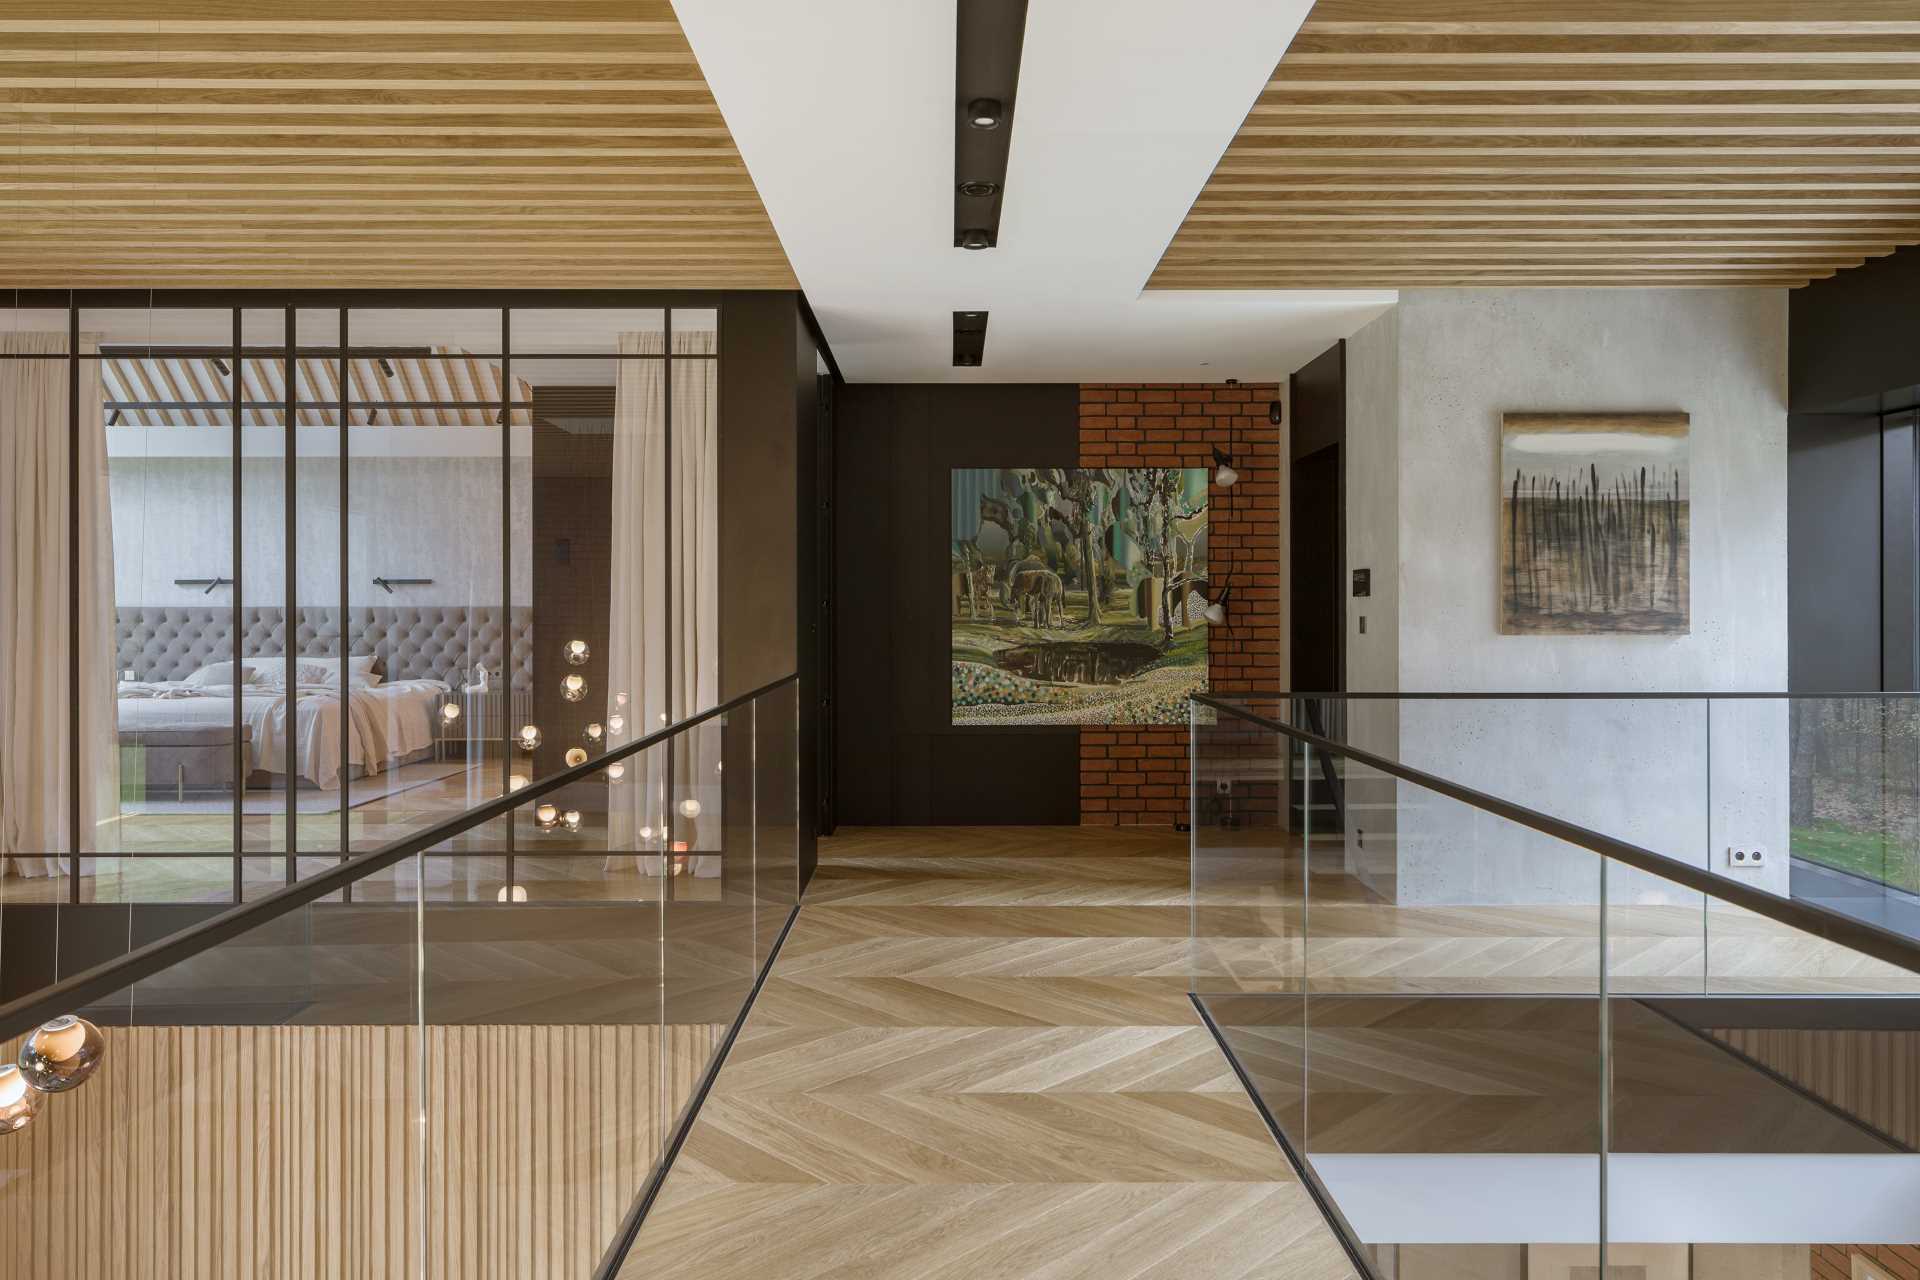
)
(360, 671)
(222, 673)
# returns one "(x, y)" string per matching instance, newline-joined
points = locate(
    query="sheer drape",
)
(647, 600)
(35, 562)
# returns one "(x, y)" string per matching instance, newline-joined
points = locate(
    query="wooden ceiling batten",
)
(1641, 143)
(282, 143)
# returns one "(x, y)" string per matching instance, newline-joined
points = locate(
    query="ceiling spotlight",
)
(976, 238)
(978, 188)
(1223, 474)
(967, 360)
(985, 113)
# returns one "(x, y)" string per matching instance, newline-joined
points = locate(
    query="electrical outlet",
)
(1746, 856)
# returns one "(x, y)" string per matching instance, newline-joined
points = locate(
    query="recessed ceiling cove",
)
(843, 111)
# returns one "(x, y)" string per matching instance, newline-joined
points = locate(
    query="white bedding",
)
(387, 721)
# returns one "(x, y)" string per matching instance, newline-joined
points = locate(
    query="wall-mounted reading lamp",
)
(388, 584)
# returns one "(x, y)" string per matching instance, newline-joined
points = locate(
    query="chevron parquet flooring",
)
(975, 1059)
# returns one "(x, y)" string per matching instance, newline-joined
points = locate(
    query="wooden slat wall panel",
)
(1873, 1076)
(298, 1151)
(551, 142)
(1541, 142)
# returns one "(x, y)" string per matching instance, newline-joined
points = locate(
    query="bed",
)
(176, 689)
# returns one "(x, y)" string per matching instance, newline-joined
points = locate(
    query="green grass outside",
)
(1864, 853)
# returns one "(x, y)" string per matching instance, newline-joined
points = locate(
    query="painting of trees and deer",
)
(1594, 524)
(1078, 594)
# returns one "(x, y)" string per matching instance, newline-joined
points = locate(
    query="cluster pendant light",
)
(61, 1054)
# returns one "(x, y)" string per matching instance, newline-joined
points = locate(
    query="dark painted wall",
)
(1853, 546)
(767, 419)
(1317, 523)
(1850, 337)
(898, 758)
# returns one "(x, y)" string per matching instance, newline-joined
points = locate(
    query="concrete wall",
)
(1373, 543)
(1640, 771)
(433, 518)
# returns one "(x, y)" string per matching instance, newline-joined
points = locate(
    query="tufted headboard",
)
(414, 642)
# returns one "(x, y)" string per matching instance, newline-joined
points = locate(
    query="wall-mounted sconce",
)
(113, 419)
(1216, 611)
(577, 653)
(388, 584)
(1223, 473)
(573, 687)
(528, 739)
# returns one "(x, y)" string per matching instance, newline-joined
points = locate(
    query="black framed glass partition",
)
(315, 569)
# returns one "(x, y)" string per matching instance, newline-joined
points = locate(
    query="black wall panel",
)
(899, 760)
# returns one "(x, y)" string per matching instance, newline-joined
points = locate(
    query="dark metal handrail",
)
(1560, 695)
(1868, 939)
(83, 988)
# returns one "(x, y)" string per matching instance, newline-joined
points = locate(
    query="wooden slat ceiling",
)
(1404, 143)
(410, 391)
(343, 142)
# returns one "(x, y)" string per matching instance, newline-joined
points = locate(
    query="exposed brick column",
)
(1137, 775)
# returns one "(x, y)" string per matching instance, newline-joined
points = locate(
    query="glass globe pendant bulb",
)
(517, 781)
(517, 894)
(546, 816)
(595, 731)
(690, 808)
(615, 772)
(573, 688)
(576, 755)
(449, 711)
(616, 725)
(19, 1101)
(572, 819)
(577, 653)
(62, 1054)
(528, 737)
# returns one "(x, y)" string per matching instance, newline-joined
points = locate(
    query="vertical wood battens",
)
(293, 1151)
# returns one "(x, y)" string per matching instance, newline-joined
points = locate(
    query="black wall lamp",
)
(989, 34)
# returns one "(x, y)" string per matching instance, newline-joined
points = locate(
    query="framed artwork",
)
(1078, 595)
(1594, 524)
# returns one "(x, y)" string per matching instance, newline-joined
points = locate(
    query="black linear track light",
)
(985, 113)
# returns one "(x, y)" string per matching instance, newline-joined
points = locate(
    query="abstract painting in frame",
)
(1594, 524)
(1078, 595)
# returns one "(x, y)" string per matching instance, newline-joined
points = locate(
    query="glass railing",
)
(1500, 1039)
(468, 1054)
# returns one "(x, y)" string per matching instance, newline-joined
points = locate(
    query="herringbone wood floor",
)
(974, 1058)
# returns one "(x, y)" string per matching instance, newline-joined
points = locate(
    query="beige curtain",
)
(35, 695)
(644, 689)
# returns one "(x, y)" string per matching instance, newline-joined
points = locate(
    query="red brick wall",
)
(1835, 1261)
(1138, 776)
